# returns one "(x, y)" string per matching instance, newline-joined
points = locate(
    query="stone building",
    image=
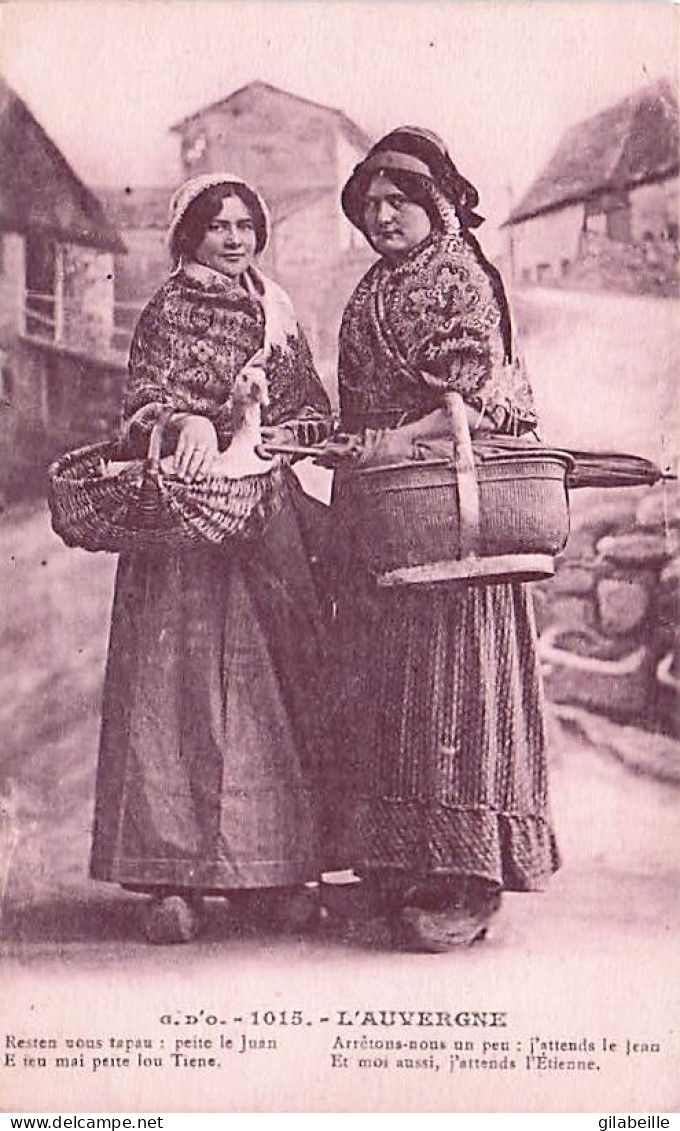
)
(57, 251)
(604, 211)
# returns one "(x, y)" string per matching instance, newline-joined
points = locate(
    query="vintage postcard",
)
(340, 556)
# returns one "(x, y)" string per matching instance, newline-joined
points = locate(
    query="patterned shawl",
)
(429, 323)
(197, 333)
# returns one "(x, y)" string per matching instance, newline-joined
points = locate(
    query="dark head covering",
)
(411, 149)
(419, 157)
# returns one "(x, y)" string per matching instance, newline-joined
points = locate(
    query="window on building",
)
(618, 225)
(565, 267)
(672, 230)
(543, 272)
(41, 287)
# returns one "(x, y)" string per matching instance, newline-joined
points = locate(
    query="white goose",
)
(241, 458)
(249, 396)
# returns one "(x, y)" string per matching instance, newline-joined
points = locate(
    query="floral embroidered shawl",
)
(196, 334)
(429, 323)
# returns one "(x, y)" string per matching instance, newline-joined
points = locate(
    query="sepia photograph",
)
(340, 556)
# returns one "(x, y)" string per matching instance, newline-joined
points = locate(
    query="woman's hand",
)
(302, 432)
(373, 447)
(196, 448)
(339, 450)
(437, 424)
(385, 446)
(279, 436)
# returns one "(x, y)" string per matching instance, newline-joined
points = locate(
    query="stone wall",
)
(64, 399)
(649, 267)
(609, 619)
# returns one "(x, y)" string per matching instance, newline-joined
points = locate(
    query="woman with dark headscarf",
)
(439, 795)
(211, 738)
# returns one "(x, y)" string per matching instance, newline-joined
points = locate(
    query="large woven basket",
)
(462, 518)
(144, 507)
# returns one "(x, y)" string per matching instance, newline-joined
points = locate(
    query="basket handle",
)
(153, 458)
(467, 486)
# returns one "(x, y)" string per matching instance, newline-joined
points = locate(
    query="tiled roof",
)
(39, 190)
(633, 142)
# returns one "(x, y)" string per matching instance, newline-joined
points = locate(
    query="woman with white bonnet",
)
(211, 735)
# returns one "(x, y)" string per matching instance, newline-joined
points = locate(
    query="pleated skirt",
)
(441, 763)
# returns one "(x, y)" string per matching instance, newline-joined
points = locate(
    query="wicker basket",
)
(144, 507)
(464, 518)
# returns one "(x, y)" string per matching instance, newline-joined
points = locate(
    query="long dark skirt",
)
(441, 768)
(211, 734)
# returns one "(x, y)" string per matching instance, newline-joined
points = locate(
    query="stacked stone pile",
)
(609, 620)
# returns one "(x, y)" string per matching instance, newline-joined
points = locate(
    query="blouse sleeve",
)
(147, 390)
(295, 388)
(466, 353)
(507, 398)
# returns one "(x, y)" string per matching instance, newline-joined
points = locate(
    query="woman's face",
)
(229, 243)
(394, 223)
